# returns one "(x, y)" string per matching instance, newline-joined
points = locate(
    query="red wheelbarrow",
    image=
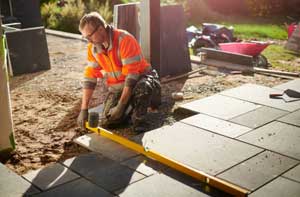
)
(252, 48)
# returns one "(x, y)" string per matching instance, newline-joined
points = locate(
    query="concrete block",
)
(292, 118)
(293, 174)
(293, 84)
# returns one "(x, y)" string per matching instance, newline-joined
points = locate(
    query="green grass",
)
(262, 31)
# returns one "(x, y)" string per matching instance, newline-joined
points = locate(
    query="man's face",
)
(94, 34)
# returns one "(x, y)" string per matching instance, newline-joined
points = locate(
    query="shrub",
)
(266, 7)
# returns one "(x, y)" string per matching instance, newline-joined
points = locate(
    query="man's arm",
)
(86, 97)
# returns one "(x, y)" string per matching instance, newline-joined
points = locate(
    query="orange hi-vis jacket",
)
(121, 62)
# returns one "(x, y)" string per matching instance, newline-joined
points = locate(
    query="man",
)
(116, 56)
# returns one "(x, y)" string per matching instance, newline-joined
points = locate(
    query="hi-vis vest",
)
(123, 59)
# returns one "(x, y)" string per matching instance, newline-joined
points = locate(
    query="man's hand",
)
(116, 112)
(82, 118)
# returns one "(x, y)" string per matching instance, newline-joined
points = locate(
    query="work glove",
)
(82, 118)
(116, 112)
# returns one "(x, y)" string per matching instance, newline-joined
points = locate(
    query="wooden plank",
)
(293, 43)
(7, 142)
(126, 17)
(145, 28)
(227, 65)
(175, 59)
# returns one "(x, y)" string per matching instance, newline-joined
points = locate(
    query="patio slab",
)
(195, 147)
(276, 136)
(103, 171)
(260, 95)
(259, 117)
(258, 170)
(77, 188)
(220, 106)
(292, 118)
(13, 185)
(104, 146)
(294, 85)
(293, 174)
(216, 125)
(160, 185)
(50, 176)
(278, 188)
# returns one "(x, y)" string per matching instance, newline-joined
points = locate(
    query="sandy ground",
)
(45, 105)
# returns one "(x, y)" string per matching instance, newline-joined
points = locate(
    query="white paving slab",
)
(294, 85)
(259, 117)
(220, 106)
(292, 118)
(216, 125)
(195, 147)
(258, 170)
(260, 95)
(293, 174)
(276, 136)
(106, 147)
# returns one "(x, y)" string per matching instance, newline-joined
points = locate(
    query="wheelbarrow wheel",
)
(260, 61)
(199, 43)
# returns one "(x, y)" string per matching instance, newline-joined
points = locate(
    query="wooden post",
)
(150, 31)
(7, 143)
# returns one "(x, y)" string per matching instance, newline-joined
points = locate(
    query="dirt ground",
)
(45, 105)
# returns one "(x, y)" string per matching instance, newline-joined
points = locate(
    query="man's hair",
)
(92, 18)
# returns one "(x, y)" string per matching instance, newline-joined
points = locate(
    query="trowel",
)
(287, 95)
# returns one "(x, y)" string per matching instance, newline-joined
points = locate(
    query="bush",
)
(266, 7)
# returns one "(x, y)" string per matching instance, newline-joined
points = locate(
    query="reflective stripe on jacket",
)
(123, 59)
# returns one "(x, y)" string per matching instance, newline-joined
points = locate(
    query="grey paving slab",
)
(159, 185)
(216, 125)
(294, 85)
(278, 188)
(13, 185)
(106, 147)
(293, 174)
(144, 165)
(103, 171)
(276, 136)
(50, 176)
(292, 118)
(259, 117)
(260, 95)
(220, 106)
(195, 147)
(76, 188)
(258, 170)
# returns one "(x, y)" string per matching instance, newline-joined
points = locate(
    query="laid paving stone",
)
(104, 146)
(50, 176)
(278, 188)
(216, 125)
(292, 118)
(195, 147)
(144, 165)
(276, 136)
(103, 171)
(13, 185)
(76, 188)
(293, 174)
(259, 117)
(260, 95)
(220, 106)
(294, 85)
(159, 185)
(258, 170)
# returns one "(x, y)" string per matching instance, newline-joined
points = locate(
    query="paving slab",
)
(276, 136)
(258, 170)
(259, 117)
(144, 165)
(220, 106)
(260, 95)
(216, 125)
(77, 188)
(103, 171)
(13, 185)
(293, 84)
(104, 146)
(278, 188)
(50, 176)
(292, 118)
(159, 185)
(197, 148)
(293, 174)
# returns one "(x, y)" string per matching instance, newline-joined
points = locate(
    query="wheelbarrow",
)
(252, 48)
